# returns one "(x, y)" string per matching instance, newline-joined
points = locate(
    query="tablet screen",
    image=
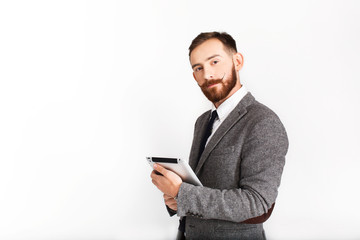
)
(164, 160)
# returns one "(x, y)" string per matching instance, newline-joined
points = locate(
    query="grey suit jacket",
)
(240, 170)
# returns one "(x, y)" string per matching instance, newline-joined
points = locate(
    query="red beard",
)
(215, 94)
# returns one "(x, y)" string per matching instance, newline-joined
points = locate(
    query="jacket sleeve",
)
(262, 162)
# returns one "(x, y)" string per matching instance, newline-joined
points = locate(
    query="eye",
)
(198, 69)
(215, 61)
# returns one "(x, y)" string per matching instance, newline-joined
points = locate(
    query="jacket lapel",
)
(230, 121)
(199, 133)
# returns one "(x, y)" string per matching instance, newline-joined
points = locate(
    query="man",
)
(238, 152)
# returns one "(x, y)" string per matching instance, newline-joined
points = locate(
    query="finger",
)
(155, 179)
(172, 206)
(154, 182)
(153, 175)
(166, 197)
(170, 201)
(160, 169)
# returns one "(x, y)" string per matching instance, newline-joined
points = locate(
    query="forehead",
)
(206, 49)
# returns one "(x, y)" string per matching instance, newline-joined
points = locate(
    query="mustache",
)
(212, 81)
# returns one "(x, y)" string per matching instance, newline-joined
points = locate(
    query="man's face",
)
(214, 70)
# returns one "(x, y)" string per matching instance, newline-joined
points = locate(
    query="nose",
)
(208, 73)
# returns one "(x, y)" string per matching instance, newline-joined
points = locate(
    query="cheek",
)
(199, 79)
(227, 71)
(200, 83)
(225, 67)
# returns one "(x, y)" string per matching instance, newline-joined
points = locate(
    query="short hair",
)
(228, 42)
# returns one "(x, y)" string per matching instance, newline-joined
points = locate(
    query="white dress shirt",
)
(226, 108)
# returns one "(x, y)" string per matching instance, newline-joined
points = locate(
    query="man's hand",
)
(168, 183)
(170, 202)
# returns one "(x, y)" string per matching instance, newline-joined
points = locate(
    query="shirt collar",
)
(229, 104)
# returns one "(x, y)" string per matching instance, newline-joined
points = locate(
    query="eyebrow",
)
(197, 64)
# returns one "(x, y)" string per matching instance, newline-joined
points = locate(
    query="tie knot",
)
(214, 115)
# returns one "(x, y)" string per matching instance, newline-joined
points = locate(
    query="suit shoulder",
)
(203, 116)
(258, 112)
(259, 115)
(262, 121)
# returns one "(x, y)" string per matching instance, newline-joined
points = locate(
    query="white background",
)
(89, 88)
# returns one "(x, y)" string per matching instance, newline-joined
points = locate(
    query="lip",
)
(213, 85)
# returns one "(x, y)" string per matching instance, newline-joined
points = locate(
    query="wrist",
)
(177, 193)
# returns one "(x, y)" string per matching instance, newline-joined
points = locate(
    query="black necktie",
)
(207, 132)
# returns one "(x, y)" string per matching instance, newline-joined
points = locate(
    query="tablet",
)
(180, 167)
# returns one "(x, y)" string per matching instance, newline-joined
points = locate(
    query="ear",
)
(238, 60)
(194, 76)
